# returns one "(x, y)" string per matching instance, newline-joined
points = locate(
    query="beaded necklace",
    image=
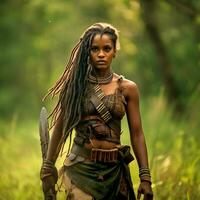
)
(100, 80)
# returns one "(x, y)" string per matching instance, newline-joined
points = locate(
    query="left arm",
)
(131, 94)
(135, 126)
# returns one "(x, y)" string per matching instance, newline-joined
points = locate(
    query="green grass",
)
(173, 146)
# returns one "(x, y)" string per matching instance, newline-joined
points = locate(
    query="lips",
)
(101, 62)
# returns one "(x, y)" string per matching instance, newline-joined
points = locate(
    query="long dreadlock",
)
(72, 84)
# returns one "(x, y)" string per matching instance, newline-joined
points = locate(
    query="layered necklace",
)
(100, 80)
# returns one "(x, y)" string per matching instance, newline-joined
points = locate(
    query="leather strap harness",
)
(103, 127)
(103, 110)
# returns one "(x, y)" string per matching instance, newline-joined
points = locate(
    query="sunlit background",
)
(160, 51)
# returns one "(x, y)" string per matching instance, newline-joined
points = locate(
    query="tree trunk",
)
(192, 13)
(171, 88)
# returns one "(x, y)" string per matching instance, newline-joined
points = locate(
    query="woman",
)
(93, 100)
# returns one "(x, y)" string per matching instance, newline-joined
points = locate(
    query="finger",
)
(148, 196)
(50, 195)
(47, 185)
(46, 188)
(139, 195)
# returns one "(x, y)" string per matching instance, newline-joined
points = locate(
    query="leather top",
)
(114, 102)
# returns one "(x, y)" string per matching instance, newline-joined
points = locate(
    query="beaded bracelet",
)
(47, 169)
(144, 174)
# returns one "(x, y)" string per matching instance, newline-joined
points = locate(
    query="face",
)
(102, 51)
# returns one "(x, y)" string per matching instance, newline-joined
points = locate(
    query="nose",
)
(101, 54)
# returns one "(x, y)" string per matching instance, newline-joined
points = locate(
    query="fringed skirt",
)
(97, 181)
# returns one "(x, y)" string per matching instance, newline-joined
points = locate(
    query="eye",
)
(94, 48)
(107, 48)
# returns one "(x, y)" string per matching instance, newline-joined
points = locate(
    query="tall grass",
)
(173, 146)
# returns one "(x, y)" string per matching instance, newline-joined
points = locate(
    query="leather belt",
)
(94, 154)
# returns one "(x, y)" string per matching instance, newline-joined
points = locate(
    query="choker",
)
(100, 80)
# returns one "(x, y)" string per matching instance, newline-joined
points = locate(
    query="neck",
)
(101, 73)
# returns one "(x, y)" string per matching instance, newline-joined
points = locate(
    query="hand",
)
(48, 184)
(145, 188)
(49, 177)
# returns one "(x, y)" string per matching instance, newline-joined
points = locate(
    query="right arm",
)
(54, 145)
(48, 172)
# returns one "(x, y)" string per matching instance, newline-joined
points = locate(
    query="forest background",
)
(160, 45)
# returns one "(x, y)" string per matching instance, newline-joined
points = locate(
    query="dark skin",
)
(101, 55)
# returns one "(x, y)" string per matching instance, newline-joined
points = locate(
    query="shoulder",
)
(129, 88)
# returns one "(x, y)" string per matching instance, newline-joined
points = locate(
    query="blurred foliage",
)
(37, 36)
(36, 40)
